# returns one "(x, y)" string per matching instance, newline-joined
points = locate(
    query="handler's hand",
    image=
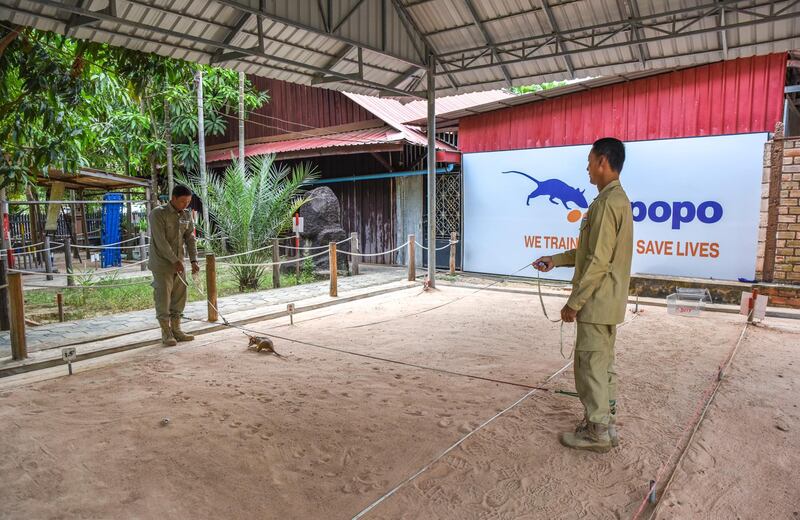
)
(568, 314)
(544, 264)
(179, 268)
(195, 268)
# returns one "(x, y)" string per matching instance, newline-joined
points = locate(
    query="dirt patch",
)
(323, 434)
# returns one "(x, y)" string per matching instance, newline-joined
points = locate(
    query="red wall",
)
(309, 107)
(732, 97)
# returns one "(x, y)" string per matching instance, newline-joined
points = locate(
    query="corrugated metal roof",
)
(357, 138)
(370, 46)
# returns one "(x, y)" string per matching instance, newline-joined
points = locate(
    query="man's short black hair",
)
(613, 150)
(181, 191)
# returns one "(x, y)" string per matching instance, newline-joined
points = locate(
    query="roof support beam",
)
(559, 44)
(413, 31)
(315, 30)
(486, 36)
(78, 20)
(347, 16)
(665, 27)
(253, 51)
(723, 34)
(629, 9)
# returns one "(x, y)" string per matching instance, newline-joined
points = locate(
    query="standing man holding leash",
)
(599, 296)
(171, 228)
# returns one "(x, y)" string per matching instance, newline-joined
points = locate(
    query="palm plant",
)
(249, 206)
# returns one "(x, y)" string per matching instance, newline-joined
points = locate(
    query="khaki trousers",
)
(595, 375)
(169, 293)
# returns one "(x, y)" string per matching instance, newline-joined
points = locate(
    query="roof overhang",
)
(92, 179)
(383, 47)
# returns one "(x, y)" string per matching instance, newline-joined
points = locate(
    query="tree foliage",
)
(66, 104)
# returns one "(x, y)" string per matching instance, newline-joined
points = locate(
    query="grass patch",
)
(99, 300)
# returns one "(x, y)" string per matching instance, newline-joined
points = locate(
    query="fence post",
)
(276, 269)
(412, 258)
(211, 286)
(223, 245)
(60, 304)
(68, 261)
(19, 349)
(4, 318)
(143, 250)
(297, 254)
(48, 264)
(354, 249)
(453, 240)
(333, 268)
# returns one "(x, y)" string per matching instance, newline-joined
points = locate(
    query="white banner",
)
(695, 204)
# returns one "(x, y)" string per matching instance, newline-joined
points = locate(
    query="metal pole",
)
(168, 138)
(431, 170)
(201, 141)
(241, 119)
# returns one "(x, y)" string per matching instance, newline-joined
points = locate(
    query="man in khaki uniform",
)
(171, 228)
(599, 296)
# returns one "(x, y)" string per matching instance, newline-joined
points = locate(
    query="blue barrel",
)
(112, 230)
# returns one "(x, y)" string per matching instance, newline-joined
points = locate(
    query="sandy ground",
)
(323, 434)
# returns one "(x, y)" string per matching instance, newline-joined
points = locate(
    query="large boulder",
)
(322, 224)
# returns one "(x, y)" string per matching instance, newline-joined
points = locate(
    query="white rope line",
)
(459, 443)
(92, 273)
(317, 247)
(35, 251)
(438, 248)
(28, 245)
(96, 285)
(234, 264)
(112, 245)
(398, 248)
(137, 246)
(245, 253)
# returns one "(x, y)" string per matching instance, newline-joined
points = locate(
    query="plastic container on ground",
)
(688, 302)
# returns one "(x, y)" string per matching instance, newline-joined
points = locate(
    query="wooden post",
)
(354, 249)
(223, 245)
(143, 250)
(68, 261)
(19, 349)
(60, 303)
(48, 264)
(276, 269)
(412, 259)
(4, 317)
(453, 240)
(751, 307)
(333, 268)
(211, 286)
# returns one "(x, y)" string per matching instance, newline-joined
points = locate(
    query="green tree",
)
(250, 206)
(537, 88)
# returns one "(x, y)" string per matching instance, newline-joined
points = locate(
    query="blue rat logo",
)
(555, 189)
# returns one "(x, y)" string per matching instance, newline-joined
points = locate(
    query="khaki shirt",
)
(170, 230)
(603, 259)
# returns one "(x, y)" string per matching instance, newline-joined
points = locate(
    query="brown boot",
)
(588, 436)
(167, 339)
(177, 332)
